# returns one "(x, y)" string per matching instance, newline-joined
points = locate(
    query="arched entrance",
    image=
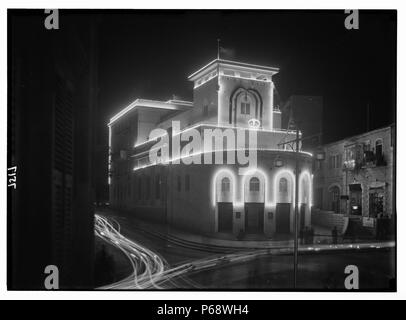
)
(224, 202)
(284, 194)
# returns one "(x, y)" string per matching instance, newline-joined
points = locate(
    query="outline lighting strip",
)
(234, 64)
(213, 151)
(150, 140)
(230, 76)
(215, 126)
(149, 104)
(310, 179)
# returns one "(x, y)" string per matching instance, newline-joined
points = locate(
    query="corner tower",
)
(236, 94)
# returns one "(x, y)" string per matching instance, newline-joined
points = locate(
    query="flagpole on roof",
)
(218, 67)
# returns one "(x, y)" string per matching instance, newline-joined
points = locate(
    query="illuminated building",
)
(356, 182)
(211, 198)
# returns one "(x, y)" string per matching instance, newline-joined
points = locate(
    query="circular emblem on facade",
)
(254, 123)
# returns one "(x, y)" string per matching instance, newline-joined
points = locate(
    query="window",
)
(335, 161)
(225, 185)
(283, 185)
(157, 187)
(179, 184)
(245, 108)
(367, 146)
(254, 184)
(378, 149)
(187, 182)
(339, 159)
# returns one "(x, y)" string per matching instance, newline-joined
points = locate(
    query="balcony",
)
(371, 159)
(362, 159)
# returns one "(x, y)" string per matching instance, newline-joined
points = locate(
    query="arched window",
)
(225, 185)
(254, 184)
(283, 185)
(335, 199)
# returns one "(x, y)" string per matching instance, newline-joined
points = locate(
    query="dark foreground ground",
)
(317, 270)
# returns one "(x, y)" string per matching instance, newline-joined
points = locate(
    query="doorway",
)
(283, 218)
(254, 217)
(225, 217)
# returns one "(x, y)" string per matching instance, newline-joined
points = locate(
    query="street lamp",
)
(320, 154)
(278, 162)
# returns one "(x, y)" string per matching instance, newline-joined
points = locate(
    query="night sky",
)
(149, 55)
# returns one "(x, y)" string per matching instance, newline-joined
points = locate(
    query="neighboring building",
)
(51, 105)
(357, 177)
(236, 99)
(307, 112)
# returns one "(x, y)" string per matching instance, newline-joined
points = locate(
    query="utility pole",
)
(319, 157)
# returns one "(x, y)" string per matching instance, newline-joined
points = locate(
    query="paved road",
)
(158, 264)
(316, 271)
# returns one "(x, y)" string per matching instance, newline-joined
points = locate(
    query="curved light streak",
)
(151, 271)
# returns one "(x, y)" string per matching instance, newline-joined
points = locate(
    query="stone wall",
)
(329, 219)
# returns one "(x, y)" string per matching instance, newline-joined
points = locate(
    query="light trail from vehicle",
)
(151, 271)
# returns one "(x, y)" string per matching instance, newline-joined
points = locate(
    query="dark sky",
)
(149, 55)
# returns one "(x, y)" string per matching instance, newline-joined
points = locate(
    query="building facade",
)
(357, 178)
(52, 101)
(202, 178)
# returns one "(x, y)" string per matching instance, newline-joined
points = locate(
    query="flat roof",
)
(145, 103)
(230, 63)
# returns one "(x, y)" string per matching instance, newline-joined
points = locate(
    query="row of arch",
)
(257, 187)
